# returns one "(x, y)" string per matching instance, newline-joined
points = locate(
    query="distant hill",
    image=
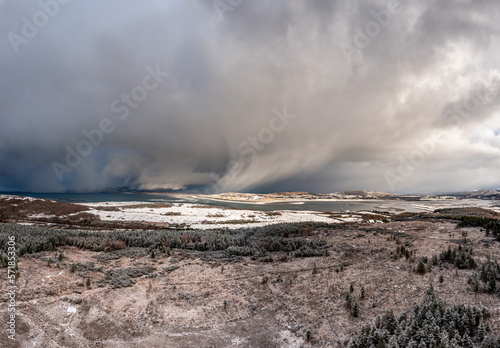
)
(347, 195)
(479, 194)
(365, 194)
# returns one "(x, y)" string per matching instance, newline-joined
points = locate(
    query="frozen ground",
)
(205, 216)
(205, 301)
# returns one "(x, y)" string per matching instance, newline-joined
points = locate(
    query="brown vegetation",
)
(185, 298)
(21, 208)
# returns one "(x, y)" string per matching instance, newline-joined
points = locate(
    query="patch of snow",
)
(237, 341)
(289, 340)
(42, 216)
(117, 204)
(10, 197)
(424, 207)
(195, 216)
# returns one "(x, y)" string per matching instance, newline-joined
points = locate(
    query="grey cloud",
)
(354, 121)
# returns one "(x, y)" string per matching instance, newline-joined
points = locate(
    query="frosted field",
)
(207, 217)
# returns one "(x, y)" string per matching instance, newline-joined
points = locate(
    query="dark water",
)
(320, 206)
(392, 206)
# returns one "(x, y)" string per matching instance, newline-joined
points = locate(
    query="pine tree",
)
(381, 343)
(355, 310)
(393, 343)
(429, 324)
(420, 268)
(309, 335)
(348, 301)
(481, 331)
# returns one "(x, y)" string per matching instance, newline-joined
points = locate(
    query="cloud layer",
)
(311, 95)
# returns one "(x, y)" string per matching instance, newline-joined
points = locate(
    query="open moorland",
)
(87, 282)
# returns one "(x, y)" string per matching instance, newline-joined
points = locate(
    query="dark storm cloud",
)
(358, 115)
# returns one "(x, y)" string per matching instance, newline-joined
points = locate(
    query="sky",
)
(249, 95)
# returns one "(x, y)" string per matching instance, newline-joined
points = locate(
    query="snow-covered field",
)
(205, 217)
(192, 213)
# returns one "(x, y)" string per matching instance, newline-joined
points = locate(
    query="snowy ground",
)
(207, 217)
